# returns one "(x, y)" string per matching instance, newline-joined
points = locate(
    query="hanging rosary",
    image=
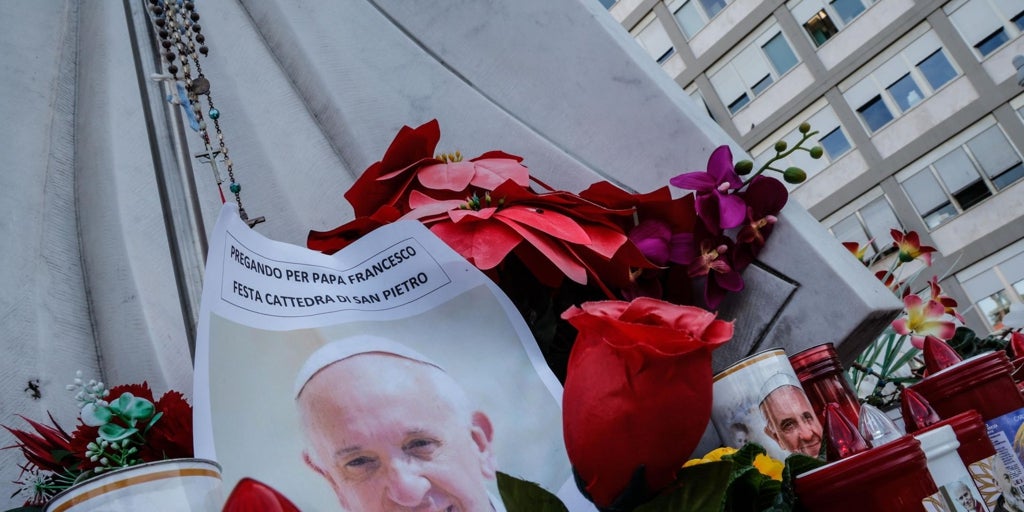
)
(177, 26)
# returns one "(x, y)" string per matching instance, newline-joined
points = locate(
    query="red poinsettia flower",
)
(923, 319)
(411, 147)
(555, 234)
(909, 245)
(251, 495)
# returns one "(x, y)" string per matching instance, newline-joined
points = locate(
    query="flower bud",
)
(816, 152)
(743, 167)
(805, 127)
(781, 146)
(794, 175)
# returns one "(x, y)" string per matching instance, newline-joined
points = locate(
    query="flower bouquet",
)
(118, 427)
(619, 290)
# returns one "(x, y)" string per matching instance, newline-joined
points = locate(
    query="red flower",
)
(949, 303)
(556, 234)
(171, 436)
(251, 495)
(637, 391)
(48, 448)
(383, 182)
(909, 245)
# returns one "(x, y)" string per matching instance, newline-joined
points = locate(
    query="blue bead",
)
(235, 188)
(214, 113)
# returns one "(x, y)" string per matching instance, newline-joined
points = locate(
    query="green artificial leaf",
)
(522, 496)
(700, 488)
(113, 432)
(132, 407)
(796, 464)
(153, 421)
(95, 415)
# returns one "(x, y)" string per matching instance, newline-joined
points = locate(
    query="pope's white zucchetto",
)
(341, 349)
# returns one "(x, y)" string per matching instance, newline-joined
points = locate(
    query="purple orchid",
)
(710, 256)
(765, 198)
(715, 206)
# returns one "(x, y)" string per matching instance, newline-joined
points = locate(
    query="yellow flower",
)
(769, 467)
(712, 456)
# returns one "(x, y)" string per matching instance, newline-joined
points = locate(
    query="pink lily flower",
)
(923, 319)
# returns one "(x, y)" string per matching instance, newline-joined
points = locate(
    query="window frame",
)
(1009, 24)
(676, 6)
(806, 11)
(962, 200)
(911, 59)
(727, 71)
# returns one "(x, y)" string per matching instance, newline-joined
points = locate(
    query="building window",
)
(902, 81)
(993, 290)
(652, 37)
(693, 15)
(905, 92)
(608, 3)
(750, 71)
(739, 103)
(875, 113)
(869, 225)
(964, 176)
(779, 54)
(820, 27)
(992, 42)
(937, 69)
(988, 25)
(834, 143)
(848, 9)
(825, 18)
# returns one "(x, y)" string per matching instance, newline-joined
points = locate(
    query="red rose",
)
(637, 391)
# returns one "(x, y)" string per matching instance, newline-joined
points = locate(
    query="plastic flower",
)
(710, 257)
(769, 467)
(631, 367)
(712, 456)
(923, 319)
(948, 303)
(715, 205)
(858, 251)
(910, 248)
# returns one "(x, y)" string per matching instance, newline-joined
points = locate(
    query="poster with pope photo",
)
(389, 376)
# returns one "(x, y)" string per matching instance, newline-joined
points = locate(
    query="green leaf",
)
(701, 488)
(796, 464)
(132, 407)
(113, 432)
(522, 496)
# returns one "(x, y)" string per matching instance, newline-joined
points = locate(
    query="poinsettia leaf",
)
(446, 175)
(546, 221)
(485, 244)
(491, 172)
(701, 489)
(114, 432)
(554, 251)
(522, 496)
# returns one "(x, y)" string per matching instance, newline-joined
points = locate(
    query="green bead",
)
(235, 188)
(214, 113)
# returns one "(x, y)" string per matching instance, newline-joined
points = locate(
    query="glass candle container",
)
(976, 451)
(821, 375)
(893, 477)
